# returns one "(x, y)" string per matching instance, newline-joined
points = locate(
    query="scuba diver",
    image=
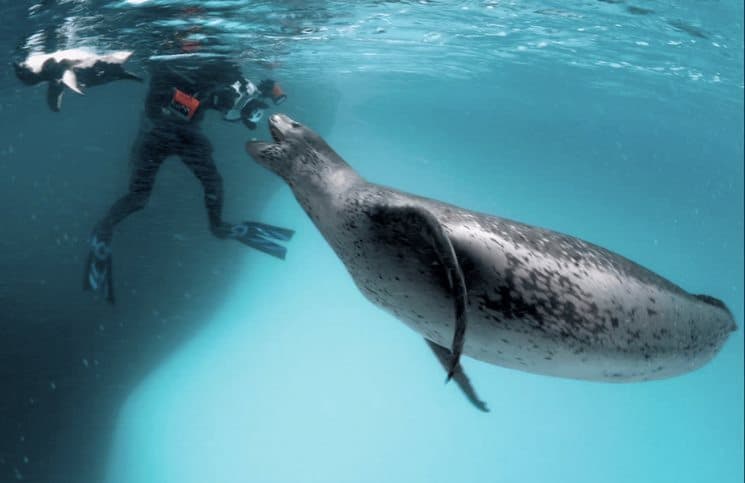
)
(182, 88)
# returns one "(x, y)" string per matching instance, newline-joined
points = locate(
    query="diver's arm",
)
(269, 88)
(239, 99)
(253, 112)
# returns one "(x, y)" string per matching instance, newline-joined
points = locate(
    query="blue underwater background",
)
(617, 122)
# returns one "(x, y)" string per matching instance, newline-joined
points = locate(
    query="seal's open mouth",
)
(280, 128)
(275, 132)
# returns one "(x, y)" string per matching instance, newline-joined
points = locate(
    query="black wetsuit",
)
(167, 131)
(180, 93)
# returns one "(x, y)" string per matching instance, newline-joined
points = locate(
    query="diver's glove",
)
(252, 113)
(271, 88)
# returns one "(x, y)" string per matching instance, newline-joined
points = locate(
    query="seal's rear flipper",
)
(416, 223)
(54, 96)
(460, 377)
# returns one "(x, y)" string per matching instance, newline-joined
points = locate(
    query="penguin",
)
(74, 68)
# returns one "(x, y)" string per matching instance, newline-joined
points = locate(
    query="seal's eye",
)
(295, 124)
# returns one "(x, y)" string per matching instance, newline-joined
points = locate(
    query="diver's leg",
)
(197, 155)
(256, 235)
(147, 158)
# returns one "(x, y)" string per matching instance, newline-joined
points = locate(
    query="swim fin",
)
(260, 236)
(98, 271)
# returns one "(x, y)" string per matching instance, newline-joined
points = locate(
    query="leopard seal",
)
(497, 290)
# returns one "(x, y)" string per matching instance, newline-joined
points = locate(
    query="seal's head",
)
(297, 154)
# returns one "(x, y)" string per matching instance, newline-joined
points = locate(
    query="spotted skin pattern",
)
(537, 300)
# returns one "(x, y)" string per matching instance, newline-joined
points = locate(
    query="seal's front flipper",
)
(460, 377)
(98, 272)
(413, 222)
(260, 235)
(54, 95)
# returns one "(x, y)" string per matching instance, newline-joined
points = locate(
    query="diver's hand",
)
(252, 113)
(265, 87)
(271, 89)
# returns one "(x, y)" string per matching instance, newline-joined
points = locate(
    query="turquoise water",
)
(617, 122)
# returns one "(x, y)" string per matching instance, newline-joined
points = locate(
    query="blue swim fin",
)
(98, 270)
(260, 236)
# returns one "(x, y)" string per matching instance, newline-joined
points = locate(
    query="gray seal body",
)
(536, 300)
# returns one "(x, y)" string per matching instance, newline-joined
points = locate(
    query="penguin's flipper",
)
(71, 80)
(54, 96)
(130, 76)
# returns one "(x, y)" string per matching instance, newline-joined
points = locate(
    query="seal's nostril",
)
(275, 118)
